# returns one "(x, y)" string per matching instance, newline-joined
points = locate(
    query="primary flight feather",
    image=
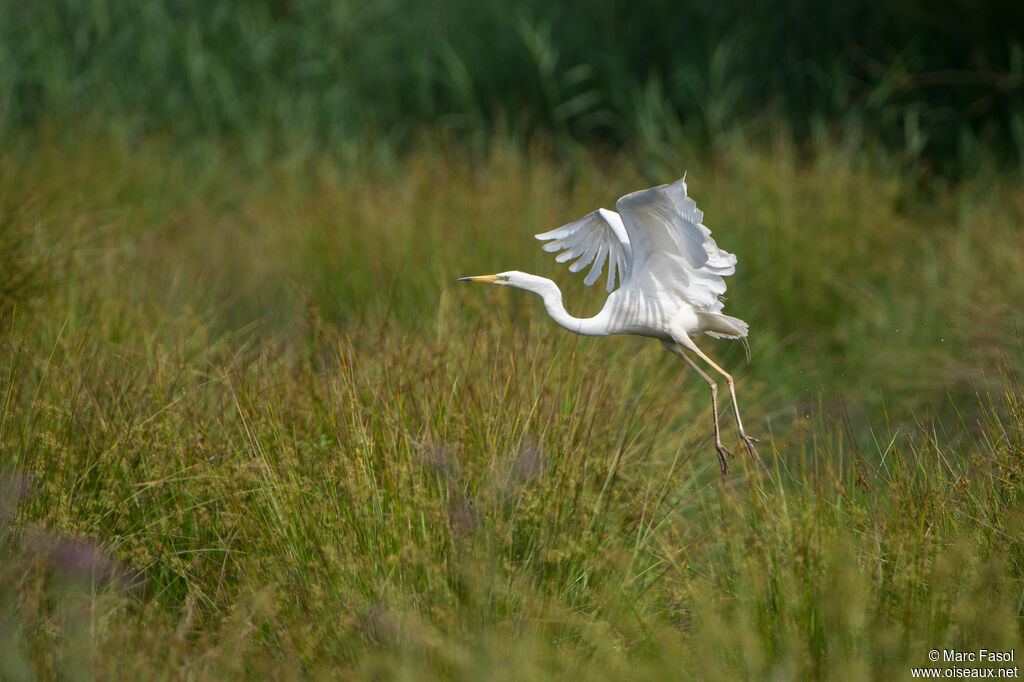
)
(670, 275)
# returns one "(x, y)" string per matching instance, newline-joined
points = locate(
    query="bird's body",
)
(627, 311)
(670, 273)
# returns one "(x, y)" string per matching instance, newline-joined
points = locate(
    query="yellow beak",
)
(479, 278)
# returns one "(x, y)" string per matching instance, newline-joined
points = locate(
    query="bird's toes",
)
(723, 458)
(748, 444)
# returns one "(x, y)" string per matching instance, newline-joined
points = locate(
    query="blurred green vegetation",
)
(940, 83)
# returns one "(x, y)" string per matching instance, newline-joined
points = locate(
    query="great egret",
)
(671, 279)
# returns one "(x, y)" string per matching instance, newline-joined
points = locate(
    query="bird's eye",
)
(504, 278)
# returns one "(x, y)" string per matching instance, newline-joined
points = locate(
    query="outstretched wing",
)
(597, 237)
(672, 249)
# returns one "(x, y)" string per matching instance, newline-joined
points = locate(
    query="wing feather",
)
(672, 249)
(589, 256)
(599, 261)
(594, 239)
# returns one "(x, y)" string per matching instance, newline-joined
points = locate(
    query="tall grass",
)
(250, 423)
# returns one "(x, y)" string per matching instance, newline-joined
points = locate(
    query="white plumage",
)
(670, 274)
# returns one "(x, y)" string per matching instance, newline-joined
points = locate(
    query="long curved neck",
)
(552, 297)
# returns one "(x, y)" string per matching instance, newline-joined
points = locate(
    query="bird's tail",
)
(722, 326)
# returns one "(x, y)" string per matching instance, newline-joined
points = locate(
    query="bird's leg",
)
(748, 442)
(723, 463)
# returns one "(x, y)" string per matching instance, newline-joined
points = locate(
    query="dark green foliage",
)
(938, 82)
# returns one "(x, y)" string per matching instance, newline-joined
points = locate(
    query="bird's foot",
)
(723, 463)
(748, 445)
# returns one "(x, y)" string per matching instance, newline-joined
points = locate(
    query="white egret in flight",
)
(670, 274)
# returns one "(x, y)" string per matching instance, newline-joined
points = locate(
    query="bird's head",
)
(515, 279)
